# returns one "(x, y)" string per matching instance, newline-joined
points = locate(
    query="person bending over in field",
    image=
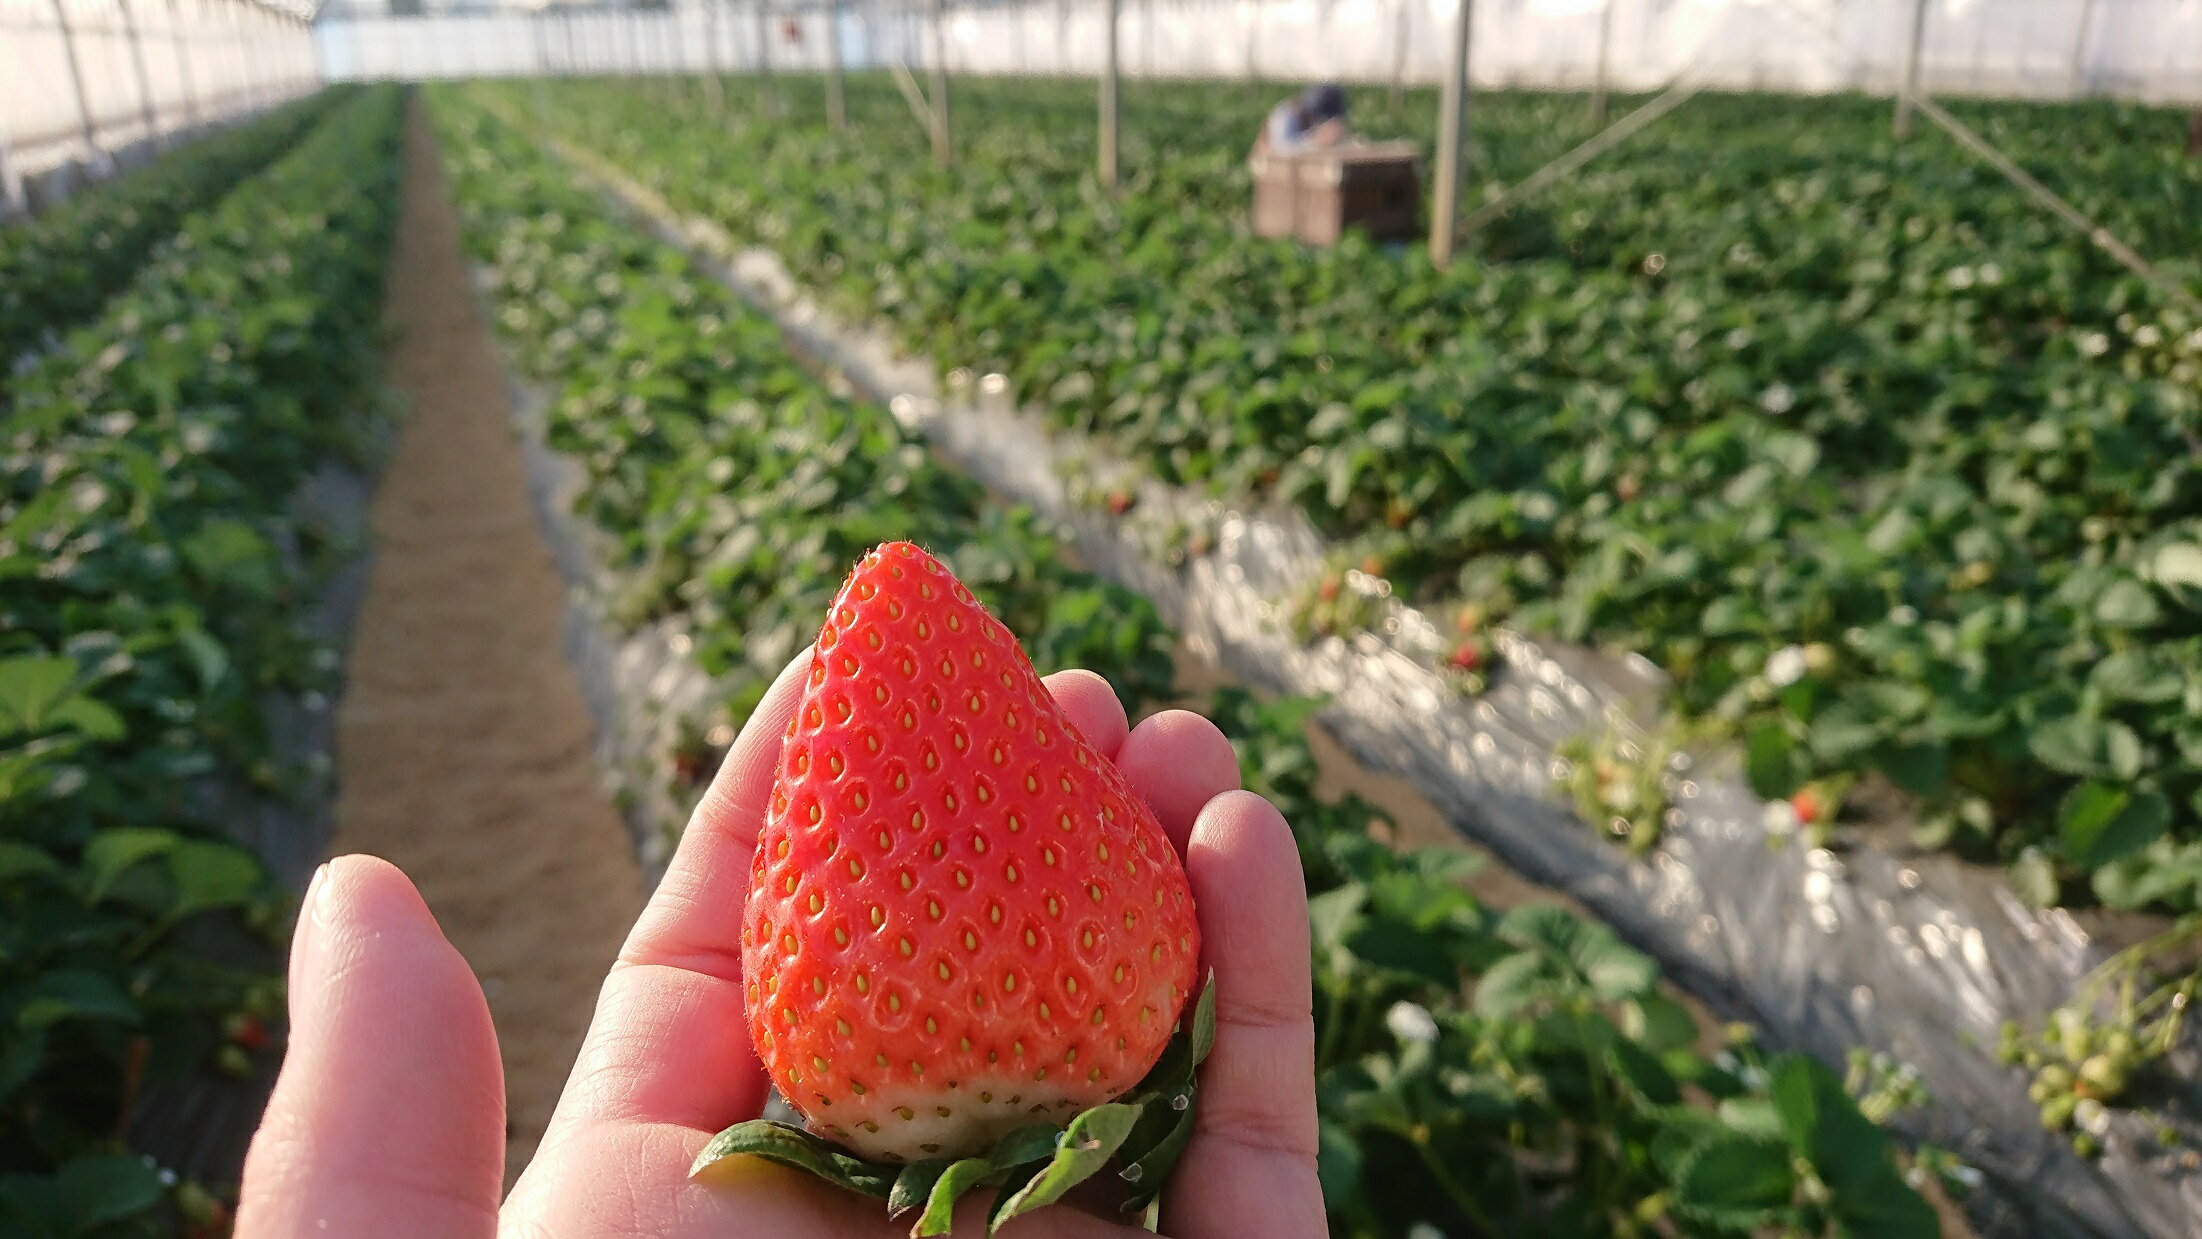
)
(1314, 118)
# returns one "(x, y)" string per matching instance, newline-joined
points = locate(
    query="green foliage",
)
(147, 470)
(734, 488)
(58, 268)
(1767, 380)
(1565, 1094)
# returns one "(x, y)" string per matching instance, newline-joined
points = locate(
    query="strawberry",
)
(1467, 656)
(246, 1031)
(961, 919)
(1806, 805)
(1120, 502)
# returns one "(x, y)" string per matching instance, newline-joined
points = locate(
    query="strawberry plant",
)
(1482, 1072)
(153, 579)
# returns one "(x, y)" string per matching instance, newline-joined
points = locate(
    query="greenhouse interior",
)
(1399, 619)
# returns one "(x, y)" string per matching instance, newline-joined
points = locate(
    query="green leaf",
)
(88, 716)
(1615, 971)
(1844, 731)
(233, 554)
(2033, 878)
(2178, 564)
(111, 852)
(2099, 823)
(1643, 1073)
(2128, 604)
(792, 1146)
(1735, 1180)
(29, 690)
(1546, 926)
(1658, 1023)
(1204, 1021)
(212, 875)
(1087, 1145)
(21, 859)
(1848, 1152)
(91, 1192)
(915, 1184)
(1753, 1116)
(1512, 985)
(2077, 744)
(2136, 675)
(71, 994)
(1338, 1161)
(947, 1187)
(1151, 1170)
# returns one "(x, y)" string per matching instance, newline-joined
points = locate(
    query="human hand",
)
(388, 1118)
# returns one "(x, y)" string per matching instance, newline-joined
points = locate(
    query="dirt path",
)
(463, 744)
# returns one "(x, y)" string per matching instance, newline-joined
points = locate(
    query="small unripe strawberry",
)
(246, 1031)
(961, 918)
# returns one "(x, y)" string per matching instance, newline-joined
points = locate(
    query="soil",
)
(464, 746)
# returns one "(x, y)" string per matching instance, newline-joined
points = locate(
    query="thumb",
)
(389, 1115)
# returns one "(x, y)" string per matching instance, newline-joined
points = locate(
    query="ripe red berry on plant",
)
(962, 921)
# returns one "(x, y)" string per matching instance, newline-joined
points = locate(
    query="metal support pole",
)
(153, 132)
(2079, 48)
(1908, 90)
(1110, 112)
(248, 32)
(76, 85)
(12, 197)
(944, 151)
(183, 65)
(1401, 17)
(714, 90)
(1452, 134)
(1253, 11)
(837, 95)
(764, 50)
(1605, 49)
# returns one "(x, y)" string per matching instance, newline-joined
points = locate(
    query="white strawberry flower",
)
(1786, 666)
(1411, 1022)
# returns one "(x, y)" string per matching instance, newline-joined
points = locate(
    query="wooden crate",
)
(1317, 195)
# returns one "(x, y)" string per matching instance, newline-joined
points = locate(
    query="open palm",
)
(388, 1118)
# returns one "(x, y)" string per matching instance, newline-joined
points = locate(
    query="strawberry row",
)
(1847, 592)
(58, 268)
(732, 489)
(158, 571)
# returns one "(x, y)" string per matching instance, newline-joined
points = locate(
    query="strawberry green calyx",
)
(1140, 1135)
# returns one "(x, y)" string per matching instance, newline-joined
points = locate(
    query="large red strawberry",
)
(961, 919)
